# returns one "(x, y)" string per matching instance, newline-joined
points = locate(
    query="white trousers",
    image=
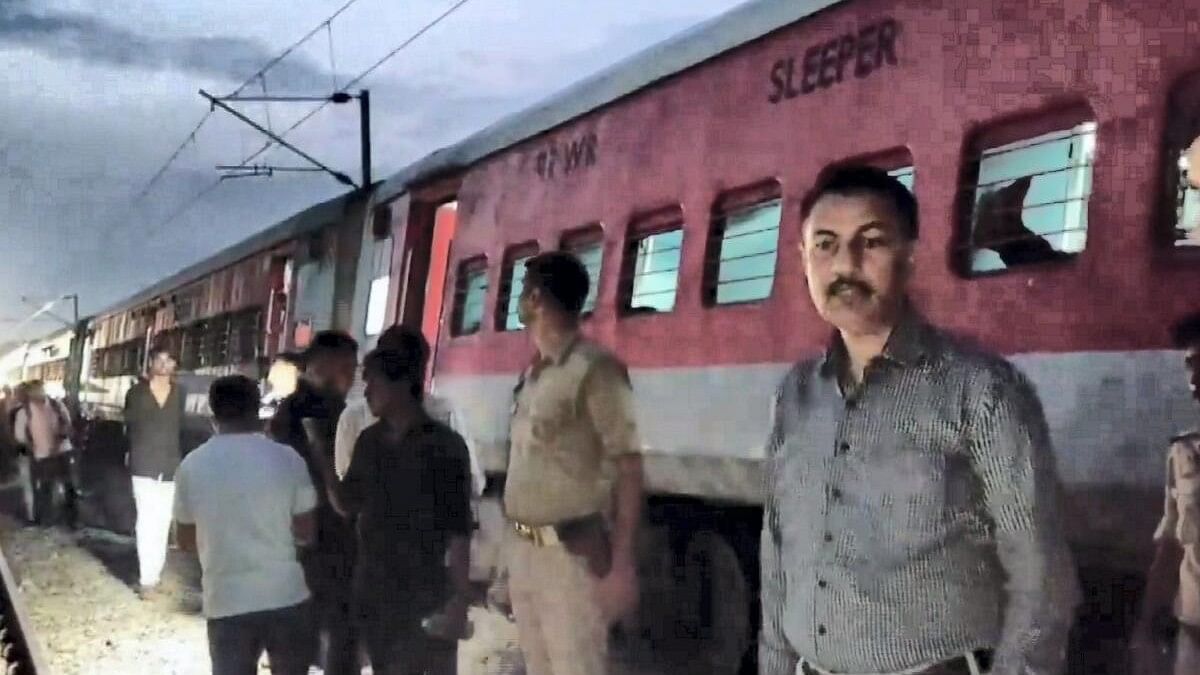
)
(155, 501)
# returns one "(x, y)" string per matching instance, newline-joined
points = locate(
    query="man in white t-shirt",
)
(244, 503)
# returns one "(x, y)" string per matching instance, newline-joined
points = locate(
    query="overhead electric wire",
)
(361, 76)
(269, 144)
(260, 73)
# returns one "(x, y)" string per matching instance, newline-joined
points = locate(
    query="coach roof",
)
(692, 47)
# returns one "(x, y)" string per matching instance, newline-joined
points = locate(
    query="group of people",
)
(40, 430)
(912, 524)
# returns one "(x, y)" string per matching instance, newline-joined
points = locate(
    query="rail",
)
(20, 652)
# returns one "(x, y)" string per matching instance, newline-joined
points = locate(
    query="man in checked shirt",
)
(912, 520)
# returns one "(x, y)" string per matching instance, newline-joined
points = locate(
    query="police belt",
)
(586, 537)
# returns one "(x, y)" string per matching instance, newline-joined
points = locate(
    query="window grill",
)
(469, 294)
(1028, 201)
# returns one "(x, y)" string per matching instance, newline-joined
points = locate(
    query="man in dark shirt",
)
(409, 484)
(307, 421)
(154, 422)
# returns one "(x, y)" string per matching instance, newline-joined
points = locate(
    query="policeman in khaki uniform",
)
(1173, 583)
(573, 495)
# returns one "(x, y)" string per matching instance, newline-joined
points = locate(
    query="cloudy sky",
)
(98, 93)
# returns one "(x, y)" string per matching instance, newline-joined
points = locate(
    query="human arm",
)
(350, 493)
(1162, 580)
(349, 426)
(304, 502)
(775, 654)
(182, 511)
(21, 426)
(608, 399)
(1013, 459)
(452, 492)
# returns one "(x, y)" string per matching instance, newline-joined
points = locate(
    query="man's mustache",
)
(846, 283)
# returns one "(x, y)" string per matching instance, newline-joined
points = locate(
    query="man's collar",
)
(560, 357)
(907, 345)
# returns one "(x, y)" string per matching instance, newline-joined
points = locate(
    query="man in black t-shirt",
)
(409, 486)
(307, 420)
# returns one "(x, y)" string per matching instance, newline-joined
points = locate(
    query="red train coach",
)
(1044, 142)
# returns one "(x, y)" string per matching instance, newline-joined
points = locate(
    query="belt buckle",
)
(533, 534)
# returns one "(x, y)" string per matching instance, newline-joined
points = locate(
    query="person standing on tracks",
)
(43, 425)
(409, 486)
(306, 420)
(154, 410)
(912, 521)
(244, 503)
(358, 415)
(1173, 582)
(574, 456)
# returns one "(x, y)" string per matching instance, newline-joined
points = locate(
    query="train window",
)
(1182, 159)
(381, 254)
(512, 283)
(743, 245)
(1187, 198)
(652, 259)
(1028, 200)
(469, 295)
(588, 245)
(905, 175)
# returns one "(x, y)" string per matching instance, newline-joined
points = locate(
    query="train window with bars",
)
(512, 284)
(587, 244)
(743, 245)
(469, 294)
(650, 278)
(244, 336)
(1027, 197)
(1182, 163)
(218, 340)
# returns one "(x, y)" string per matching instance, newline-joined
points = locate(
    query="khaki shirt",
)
(572, 416)
(1181, 521)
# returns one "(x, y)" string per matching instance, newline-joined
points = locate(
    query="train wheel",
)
(718, 605)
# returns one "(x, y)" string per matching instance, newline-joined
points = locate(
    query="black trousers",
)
(328, 571)
(397, 645)
(50, 475)
(236, 642)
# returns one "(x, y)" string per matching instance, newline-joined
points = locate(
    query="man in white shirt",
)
(357, 416)
(244, 503)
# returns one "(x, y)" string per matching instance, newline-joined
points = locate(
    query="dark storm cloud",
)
(90, 38)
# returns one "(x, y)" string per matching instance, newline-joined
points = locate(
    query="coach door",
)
(425, 253)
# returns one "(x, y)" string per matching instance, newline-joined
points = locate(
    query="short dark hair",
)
(1186, 331)
(857, 179)
(159, 348)
(233, 398)
(405, 339)
(330, 343)
(562, 277)
(398, 365)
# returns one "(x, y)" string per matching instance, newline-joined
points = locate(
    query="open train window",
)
(1182, 163)
(588, 245)
(512, 283)
(1026, 195)
(469, 294)
(650, 276)
(743, 245)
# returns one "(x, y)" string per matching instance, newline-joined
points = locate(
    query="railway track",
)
(20, 653)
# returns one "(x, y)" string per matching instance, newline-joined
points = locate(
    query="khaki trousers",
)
(1187, 650)
(553, 598)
